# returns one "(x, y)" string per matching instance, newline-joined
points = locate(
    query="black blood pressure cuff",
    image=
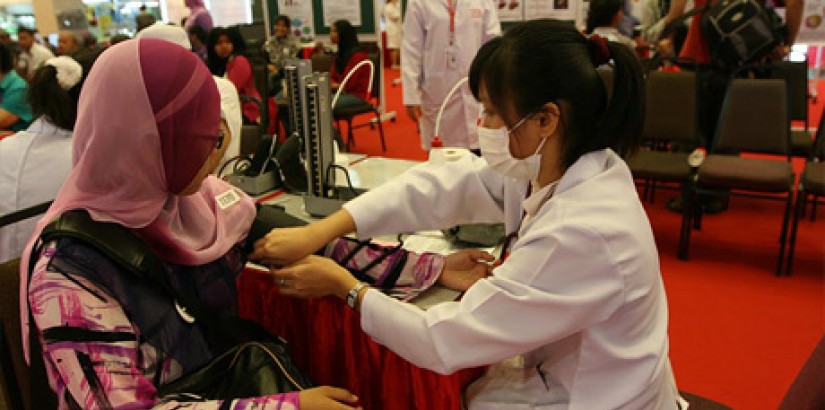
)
(267, 218)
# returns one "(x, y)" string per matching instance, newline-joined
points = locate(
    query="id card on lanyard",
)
(452, 48)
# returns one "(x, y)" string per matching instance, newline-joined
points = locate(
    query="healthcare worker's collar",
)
(533, 203)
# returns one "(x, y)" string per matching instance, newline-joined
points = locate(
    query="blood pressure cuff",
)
(268, 218)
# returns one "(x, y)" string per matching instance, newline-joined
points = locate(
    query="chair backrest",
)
(671, 110)
(818, 152)
(795, 74)
(15, 370)
(606, 74)
(808, 389)
(754, 118)
(321, 62)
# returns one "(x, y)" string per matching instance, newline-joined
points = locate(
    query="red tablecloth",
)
(326, 340)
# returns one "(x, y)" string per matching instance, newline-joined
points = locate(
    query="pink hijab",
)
(148, 117)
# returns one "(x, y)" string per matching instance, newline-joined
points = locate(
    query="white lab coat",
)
(425, 77)
(33, 165)
(392, 19)
(576, 318)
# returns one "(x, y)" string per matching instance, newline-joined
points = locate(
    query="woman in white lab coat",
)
(434, 57)
(576, 316)
(392, 21)
(35, 162)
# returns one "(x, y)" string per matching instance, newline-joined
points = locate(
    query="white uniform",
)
(392, 17)
(231, 113)
(576, 318)
(425, 73)
(33, 165)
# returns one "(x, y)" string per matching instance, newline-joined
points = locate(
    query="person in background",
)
(68, 42)
(436, 52)
(198, 16)
(348, 56)
(142, 153)
(225, 48)
(15, 111)
(392, 20)
(118, 38)
(575, 314)
(5, 37)
(279, 49)
(713, 79)
(35, 162)
(628, 24)
(32, 55)
(197, 37)
(603, 19)
(144, 19)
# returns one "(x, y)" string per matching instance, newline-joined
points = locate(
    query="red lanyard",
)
(451, 8)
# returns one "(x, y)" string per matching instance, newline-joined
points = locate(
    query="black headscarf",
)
(347, 44)
(216, 64)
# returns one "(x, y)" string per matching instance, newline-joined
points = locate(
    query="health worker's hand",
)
(414, 112)
(314, 277)
(281, 247)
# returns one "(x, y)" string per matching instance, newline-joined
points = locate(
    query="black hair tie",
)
(599, 52)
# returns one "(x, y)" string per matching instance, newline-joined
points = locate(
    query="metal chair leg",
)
(350, 136)
(687, 216)
(801, 197)
(783, 236)
(813, 207)
(380, 130)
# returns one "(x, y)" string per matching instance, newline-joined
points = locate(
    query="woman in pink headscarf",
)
(142, 152)
(198, 16)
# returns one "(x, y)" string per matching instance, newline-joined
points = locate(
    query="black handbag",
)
(259, 363)
(251, 369)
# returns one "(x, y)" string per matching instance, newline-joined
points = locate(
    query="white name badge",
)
(227, 199)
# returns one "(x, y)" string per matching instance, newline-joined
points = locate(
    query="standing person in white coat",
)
(392, 19)
(575, 317)
(35, 162)
(441, 38)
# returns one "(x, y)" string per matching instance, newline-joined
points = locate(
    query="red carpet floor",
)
(738, 334)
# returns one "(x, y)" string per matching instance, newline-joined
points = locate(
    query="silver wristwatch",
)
(352, 295)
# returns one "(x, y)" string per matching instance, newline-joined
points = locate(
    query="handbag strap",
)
(133, 255)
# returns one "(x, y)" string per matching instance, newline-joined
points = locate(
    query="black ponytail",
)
(543, 61)
(48, 99)
(623, 120)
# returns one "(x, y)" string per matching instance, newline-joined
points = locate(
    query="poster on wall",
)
(555, 9)
(300, 14)
(538, 9)
(812, 29)
(342, 10)
(510, 10)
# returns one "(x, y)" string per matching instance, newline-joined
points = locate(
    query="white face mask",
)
(495, 149)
